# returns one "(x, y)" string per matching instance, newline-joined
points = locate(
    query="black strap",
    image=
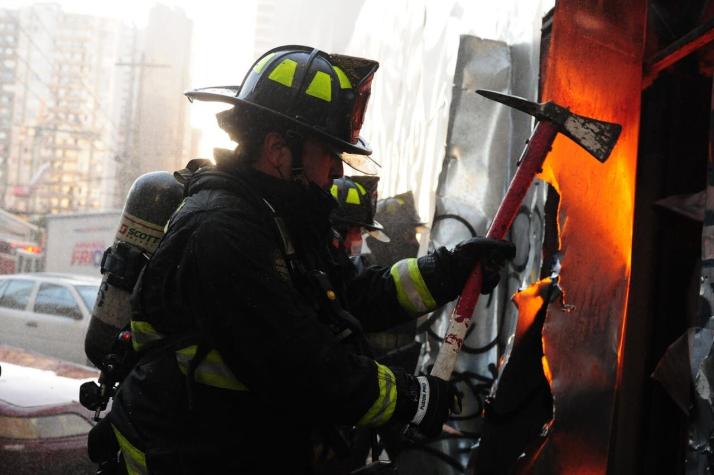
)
(295, 267)
(123, 263)
(172, 343)
(202, 350)
(346, 324)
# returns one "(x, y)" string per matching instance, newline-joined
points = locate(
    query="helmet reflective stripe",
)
(352, 197)
(211, 371)
(320, 86)
(355, 198)
(382, 409)
(134, 458)
(260, 65)
(316, 93)
(412, 292)
(284, 73)
(344, 80)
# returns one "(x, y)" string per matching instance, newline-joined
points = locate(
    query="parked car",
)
(43, 429)
(48, 313)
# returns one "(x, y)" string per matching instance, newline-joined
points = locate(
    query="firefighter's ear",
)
(276, 158)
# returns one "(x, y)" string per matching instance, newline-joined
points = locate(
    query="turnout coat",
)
(249, 320)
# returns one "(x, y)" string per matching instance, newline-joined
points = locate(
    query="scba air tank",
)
(151, 200)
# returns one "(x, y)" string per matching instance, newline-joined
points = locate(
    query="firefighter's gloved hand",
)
(436, 400)
(491, 253)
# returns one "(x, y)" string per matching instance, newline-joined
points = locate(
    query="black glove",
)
(435, 399)
(491, 253)
(445, 271)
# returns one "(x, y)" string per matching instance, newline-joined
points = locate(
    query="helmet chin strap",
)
(279, 172)
(294, 141)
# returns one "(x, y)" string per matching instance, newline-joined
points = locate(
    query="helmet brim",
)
(376, 230)
(378, 233)
(229, 95)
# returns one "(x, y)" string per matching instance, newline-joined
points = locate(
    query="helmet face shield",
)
(364, 90)
(378, 234)
(361, 163)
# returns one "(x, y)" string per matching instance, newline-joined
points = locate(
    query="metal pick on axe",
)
(595, 136)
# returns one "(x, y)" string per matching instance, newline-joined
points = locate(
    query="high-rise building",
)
(87, 104)
(61, 133)
(9, 38)
(155, 130)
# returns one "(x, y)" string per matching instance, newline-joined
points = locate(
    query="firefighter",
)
(354, 214)
(356, 205)
(401, 222)
(249, 329)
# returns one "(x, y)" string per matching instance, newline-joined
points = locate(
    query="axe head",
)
(595, 136)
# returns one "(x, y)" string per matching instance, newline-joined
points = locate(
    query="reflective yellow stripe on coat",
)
(143, 333)
(134, 458)
(412, 292)
(382, 409)
(211, 371)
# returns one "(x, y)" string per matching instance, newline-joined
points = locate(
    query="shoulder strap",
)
(294, 265)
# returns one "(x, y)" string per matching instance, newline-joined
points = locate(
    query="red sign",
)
(88, 253)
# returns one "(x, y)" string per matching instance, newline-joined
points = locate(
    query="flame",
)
(594, 67)
(546, 370)
(529, 302)
(597, 200)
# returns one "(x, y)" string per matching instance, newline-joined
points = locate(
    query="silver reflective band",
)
(412, 293)
(423, 402)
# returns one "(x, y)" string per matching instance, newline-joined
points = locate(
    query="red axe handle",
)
(530, 164)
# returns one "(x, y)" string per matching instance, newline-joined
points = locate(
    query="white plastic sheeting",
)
(422, 97)
(477, 166)
(416, 43)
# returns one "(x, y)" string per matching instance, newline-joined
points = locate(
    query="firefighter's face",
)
(353, 240)
(320, 164)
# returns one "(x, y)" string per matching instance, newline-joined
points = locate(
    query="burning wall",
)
(594, 66)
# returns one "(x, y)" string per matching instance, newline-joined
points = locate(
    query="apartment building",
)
(87, 104)
(59, 132)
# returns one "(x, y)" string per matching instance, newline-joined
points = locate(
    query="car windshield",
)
(88, 294)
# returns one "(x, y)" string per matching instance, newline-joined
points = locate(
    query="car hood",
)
(30, 387)
(29, 379)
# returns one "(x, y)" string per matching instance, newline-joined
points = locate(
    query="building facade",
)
(87, 104)
(60, 132)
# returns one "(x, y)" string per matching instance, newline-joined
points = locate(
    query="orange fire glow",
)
(546, 370)
(594, 67)
(529, 301)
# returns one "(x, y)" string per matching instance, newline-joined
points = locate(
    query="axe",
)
(595, 136)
